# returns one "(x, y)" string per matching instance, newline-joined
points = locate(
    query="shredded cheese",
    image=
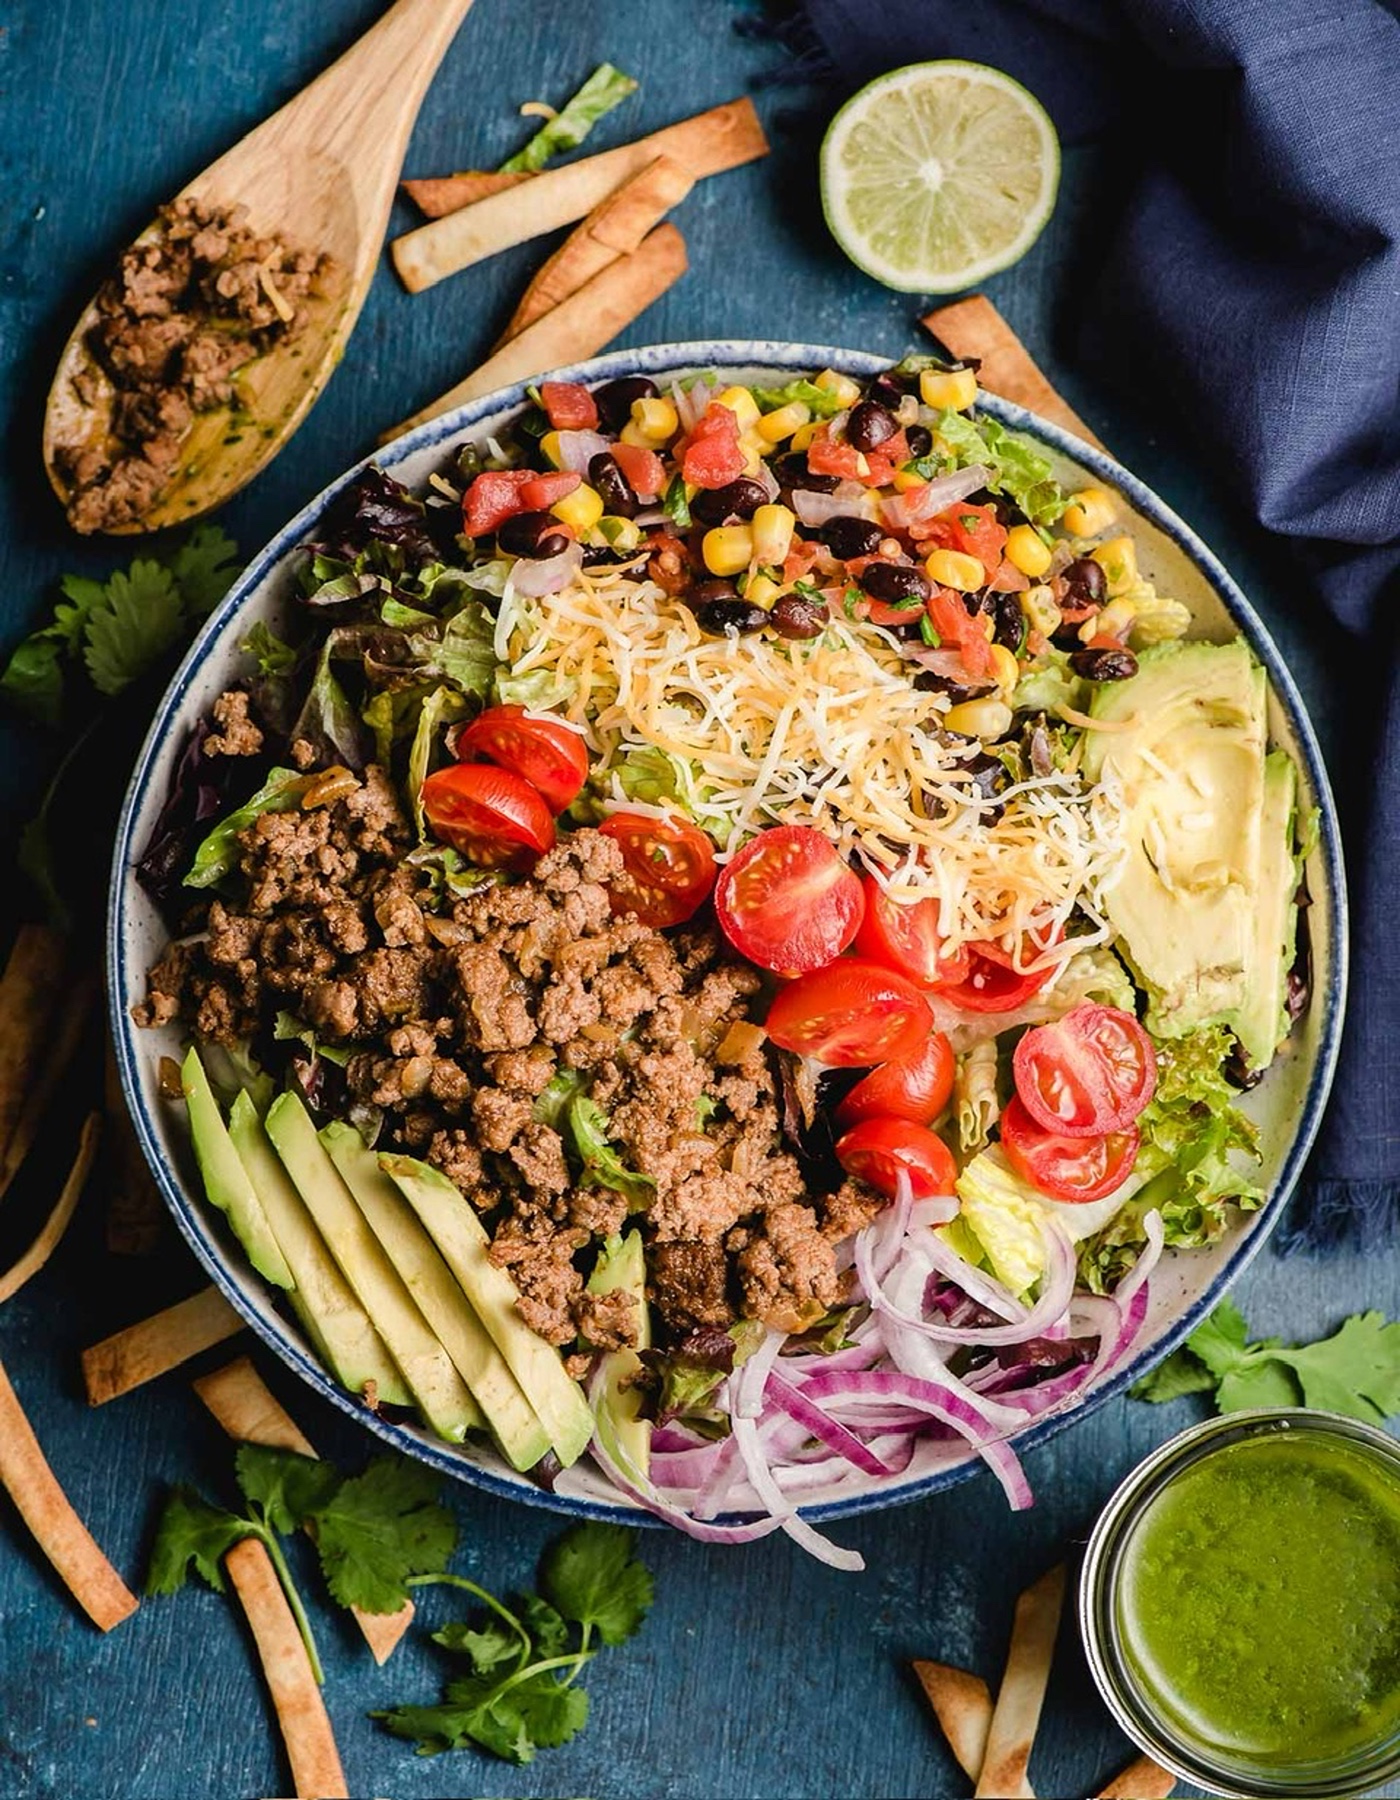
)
(829, 732)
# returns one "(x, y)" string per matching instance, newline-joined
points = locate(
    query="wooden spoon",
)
(319, 175)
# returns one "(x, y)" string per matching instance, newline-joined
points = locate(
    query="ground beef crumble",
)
(457, 1016)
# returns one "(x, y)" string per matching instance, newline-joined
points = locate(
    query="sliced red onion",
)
(779, 1508)
(902, 1293)
(548, 574)
(767, 480)
(629, 1480)
(901, 512)
(796, 1404)
(849, 501)
(651, 515)
(578, 448)
(985, 1289)
(745, 1386)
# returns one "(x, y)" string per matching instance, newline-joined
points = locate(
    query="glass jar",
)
(1156, 1516)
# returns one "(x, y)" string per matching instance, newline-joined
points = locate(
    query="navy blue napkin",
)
(1254, 286)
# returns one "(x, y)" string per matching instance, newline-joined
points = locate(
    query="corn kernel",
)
(762, 590)
(1118, 560)
(840, 387)
(772, 533)
(1114, 620)
(753, 450)
(549, 449)
(1089, 512)
(905, 479)
(773, 427)
(582, 509)
(1005, 670)
(1027, 551)
(802, 437)
(1040, 610)
(742, 404)
(618, 533)
(984, 718)
(950, 388)
(656, 421)
(955, 569)
(727, 549)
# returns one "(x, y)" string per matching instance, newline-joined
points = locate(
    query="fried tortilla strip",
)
(51, 1235)
(59, 1532)
(1022, 1693)
(439, 194)
(577, 327)
(301, 1710)
(249, 1411)
(156, 1345)
(704, 145)
(614, 228)
(973, 329)
(962, 1704)
(1143, 1779)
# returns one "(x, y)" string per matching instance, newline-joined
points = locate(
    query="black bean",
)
(795, 616)
(870, 425)
(989, 777)
(711, 589)
(887, 390)
(721, 616)
(847, 536)
(1009, 625)
(792, 472)
(1085, 582)
(1104, 664)
(614, 399)
(599, 556)
(533, 534)
(612, 484)
(894, 582)
(739, 499)
(919, 439)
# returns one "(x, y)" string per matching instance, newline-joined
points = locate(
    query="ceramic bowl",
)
(1287, 1105)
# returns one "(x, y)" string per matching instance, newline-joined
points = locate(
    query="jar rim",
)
(1341, 1776)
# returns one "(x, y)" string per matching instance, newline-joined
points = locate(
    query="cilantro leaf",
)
(550, 1712)
(191, 1531)
(33, 677)
(1256, 1384)
(284, 1485)
(511, 1719)
(140, 618)
(378, 1529)
(491, 1646)
(1356, 1371)
(204, 567)
(545, 1624)
(1182, 1373)
(1220, 1342)
(591, 1575)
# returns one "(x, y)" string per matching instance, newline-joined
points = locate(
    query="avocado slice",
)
(623, 1265)
(438, 1390)
(334, 1319)
(226, 1181)
(512, 1419)
(536, 1365)
(1185, 742)
(1262, 1022)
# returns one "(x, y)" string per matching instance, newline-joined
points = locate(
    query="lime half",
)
(939, 174)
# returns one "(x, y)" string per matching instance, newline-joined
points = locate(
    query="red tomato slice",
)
(993, 983)
(904, 935)
(492, 816)
(570, 405)
(670, 868)
(1066, 1168)
(827, 455)
(788, 902)
(493, 498)
(850, 1013)
(917, 1088)
(960, 630)
(876, 1150)
(1087, 1074)
(712, 457)
(642, 470)
(542, 491)
(974, 530)
(544, 752)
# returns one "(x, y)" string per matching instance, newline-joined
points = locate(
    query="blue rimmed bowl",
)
(1287, 1105)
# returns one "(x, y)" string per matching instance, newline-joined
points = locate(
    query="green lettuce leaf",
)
(443, 707)
(823, 403)
(602, 1166)
(605, 88)
(1019, 470)
(466, 655)
(218, 855)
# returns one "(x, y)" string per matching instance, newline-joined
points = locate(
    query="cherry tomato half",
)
(788, 902)
(993, 983)
(570, 405)
(545, 752)
(544, 491)
(877, 1149)
(904, 935)
(1086, 1074)
(642, 470)
(1066, 1168)
(492, 816)
(850, 1013)
(712, 457)
(670, 868)
(916, 1088)
(493, 498)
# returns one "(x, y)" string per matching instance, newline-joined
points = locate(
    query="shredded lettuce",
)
(602, 1166)
(1049, 685)
(538, 689)
(272, 656)
(443, 707)
(1019, 470)
(553, 1100)
(822, 403)
(605, 88)
(327, 721)
(466, 655)
(217, 855)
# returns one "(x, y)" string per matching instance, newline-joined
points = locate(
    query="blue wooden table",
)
(760, 1673)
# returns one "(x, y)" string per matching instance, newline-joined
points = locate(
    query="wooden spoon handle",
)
(377, 86)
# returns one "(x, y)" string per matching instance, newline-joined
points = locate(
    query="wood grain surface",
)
(760, 1675)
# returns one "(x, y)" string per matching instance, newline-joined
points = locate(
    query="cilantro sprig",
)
(1356, 1371)
(373, 1532)
(522, 1694)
